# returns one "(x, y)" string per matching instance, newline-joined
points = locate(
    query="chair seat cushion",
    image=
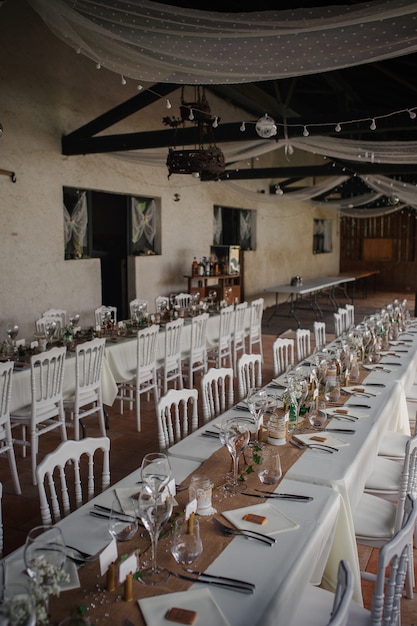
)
(393, 444)
(374, 517)
(315, 605)
(385, 477)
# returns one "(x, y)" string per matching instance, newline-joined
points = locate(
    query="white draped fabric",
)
(153, 42)
(143, 220)
(75, 225)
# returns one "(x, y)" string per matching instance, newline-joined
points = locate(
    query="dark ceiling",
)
(366, 91)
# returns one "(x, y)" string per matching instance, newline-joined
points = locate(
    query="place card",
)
(108, 556)
(128, 566)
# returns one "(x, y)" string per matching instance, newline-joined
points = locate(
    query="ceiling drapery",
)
(153, 42)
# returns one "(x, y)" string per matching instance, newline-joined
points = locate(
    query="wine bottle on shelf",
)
(194, 267)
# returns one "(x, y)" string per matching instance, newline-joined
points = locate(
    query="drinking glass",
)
(44, 547)
(186, 544)
(236, 433)
(298, 390)
(317, 415)
(257, 401)
(269, 471)
(156, 471)
(154, 510)
(123, 524)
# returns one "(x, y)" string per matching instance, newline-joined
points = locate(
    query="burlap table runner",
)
(109, 607)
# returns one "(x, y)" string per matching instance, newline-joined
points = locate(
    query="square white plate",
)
(276, 522)
(331, 440)
(200, 600)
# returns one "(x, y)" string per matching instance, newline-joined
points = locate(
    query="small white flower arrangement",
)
(47, 582)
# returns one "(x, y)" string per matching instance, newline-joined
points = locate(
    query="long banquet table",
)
(347, 470)
(279, 571)
(119, 360)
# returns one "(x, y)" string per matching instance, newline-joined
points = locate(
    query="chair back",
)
(47, 377)
(217, 392)
(303, 341)
(255, 327)
(6, 371)
(89, 365)
(175, 410)
(283, 354)
(64, 467)
(183, 300)
(239, 331)
(343, 595)
(6, 439)
(61, 313)
(249, 373)
(350, 308)
(197, 359)
(136, 305)
(147, 345)
(50, 326)
(223, 350)
(319, 334)
(393, 564)
(344, 318)
(408, 484)
(103, 313)
(173, 354)
(338, 324)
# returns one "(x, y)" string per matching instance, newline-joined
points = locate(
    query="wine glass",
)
(44, 553)
(236, 433)
(156, 471)
(123, 524)
(186, 545)
(257, 401)
(50, 330)
(154, 510)
(317, 415)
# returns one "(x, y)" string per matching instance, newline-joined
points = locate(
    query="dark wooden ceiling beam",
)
(302, 172)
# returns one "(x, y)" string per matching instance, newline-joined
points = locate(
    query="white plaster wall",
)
(46, 91)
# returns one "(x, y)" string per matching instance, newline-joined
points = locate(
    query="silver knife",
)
(285, 495)
(241, 588)
(347, 431)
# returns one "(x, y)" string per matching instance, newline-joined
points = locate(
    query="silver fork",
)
(249, 534)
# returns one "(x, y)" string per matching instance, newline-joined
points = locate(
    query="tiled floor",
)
(20, 513)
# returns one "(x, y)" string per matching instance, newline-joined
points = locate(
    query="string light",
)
(123, 80)
(373, 125)
(191, 116)
(98, 66)
(338, 128)
(139, 87)
(169, 105)
(305, 132)
(242, 127)
(412, 115)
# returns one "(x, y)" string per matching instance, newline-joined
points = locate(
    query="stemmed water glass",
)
(236, 433)
(44, 545)
(257, 400)
(154, 510)
(156, 472)
(186, 544)
(123, 524)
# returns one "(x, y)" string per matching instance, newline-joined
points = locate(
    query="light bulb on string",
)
(191, 116)
(98, 66)
(123, 80)
(139, 87)
(216, 122)
(338, 128)
(373, 125)
(169, 105)
(412, 115)
(242, 127)
(305, 132)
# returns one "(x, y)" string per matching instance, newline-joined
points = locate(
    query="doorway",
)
(109, 214)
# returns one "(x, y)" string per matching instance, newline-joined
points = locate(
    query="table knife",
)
(285, 496)
(358, 406)
(216, 583)
(374, 385)
(347, 431)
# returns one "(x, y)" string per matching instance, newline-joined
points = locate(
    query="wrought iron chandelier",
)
(205, 161)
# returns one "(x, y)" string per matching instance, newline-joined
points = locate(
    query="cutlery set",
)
(232, 584)
(314, 446)
(277, 496)
(248, 534)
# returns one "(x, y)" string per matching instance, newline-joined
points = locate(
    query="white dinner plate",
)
(276, 522)
(350, 410)
(200, 600)
(362, 389)
(15, 572)
(331, 440)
